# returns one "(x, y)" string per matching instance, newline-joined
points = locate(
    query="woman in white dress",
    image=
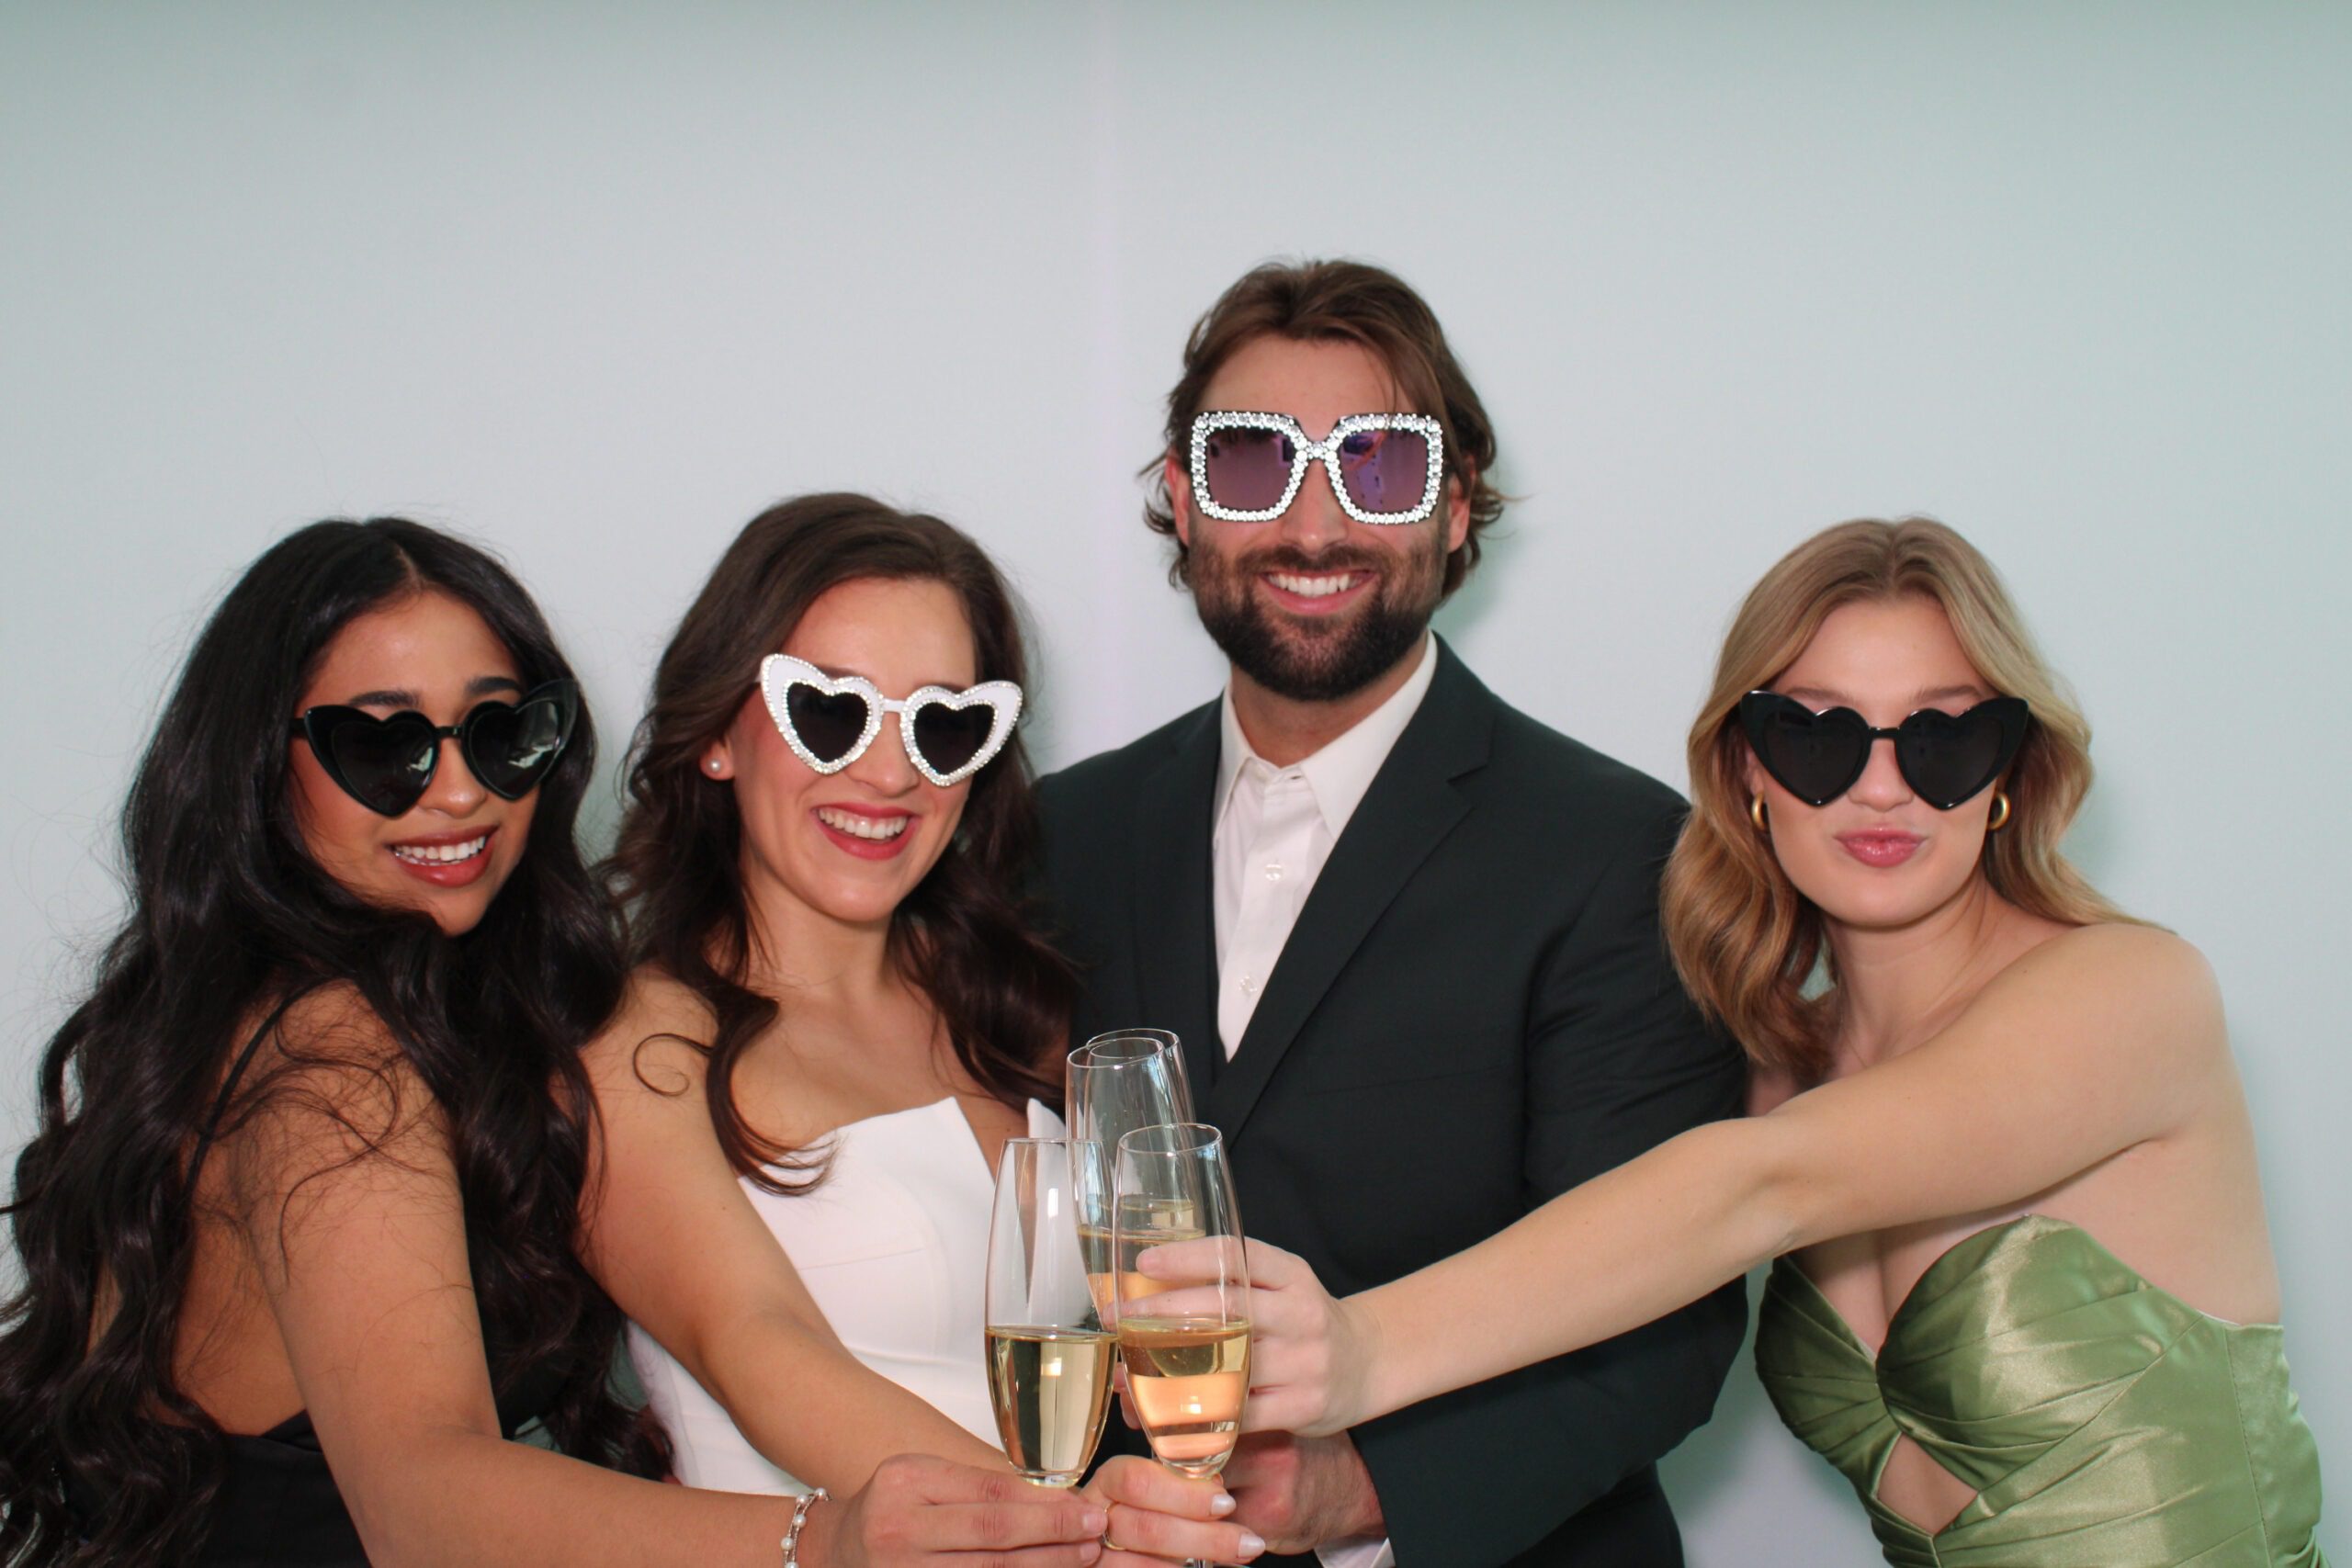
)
(838, 1017)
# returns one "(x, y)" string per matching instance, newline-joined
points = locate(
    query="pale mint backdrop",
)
(596, 283)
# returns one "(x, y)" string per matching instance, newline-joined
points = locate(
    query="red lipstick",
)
(882, 821)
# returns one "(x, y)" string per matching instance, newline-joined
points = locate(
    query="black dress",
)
(278, 1506)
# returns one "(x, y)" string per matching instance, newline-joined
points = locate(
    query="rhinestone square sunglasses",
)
(1386, 469)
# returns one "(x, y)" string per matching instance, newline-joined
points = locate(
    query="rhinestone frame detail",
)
(1303, 452)
(779, 673)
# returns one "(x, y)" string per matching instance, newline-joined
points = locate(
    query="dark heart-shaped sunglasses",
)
(1946, 758)
(387, 765)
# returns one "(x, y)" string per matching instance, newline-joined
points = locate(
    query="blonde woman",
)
(2022, 1295)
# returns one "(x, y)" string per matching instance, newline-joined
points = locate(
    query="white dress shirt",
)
(1275, 831)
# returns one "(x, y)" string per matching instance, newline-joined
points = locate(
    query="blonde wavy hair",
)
(1744, 941)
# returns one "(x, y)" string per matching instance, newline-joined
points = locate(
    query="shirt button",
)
(1250, 985)
(1275, 870)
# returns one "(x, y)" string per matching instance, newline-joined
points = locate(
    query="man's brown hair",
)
(1347, 301)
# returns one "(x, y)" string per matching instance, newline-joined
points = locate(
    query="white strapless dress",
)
(894, 1248)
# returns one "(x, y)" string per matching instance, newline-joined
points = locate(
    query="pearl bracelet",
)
(791, 1542)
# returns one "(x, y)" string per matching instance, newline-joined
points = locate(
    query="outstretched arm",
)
(1616, 1062)
(2094, 1042)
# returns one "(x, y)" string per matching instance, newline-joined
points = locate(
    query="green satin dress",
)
(2105, 1423)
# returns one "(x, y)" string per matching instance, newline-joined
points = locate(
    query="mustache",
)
(1290, 557)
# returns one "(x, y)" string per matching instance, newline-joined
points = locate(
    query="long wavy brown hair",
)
(962, 937)
(1744, 941)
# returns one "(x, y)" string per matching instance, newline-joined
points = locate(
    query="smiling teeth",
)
(1313, 587)
(440, 854)
(858, 826)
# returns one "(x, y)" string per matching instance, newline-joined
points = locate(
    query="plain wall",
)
(594, 285)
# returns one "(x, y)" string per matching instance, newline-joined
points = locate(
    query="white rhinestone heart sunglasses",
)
(829, 721)
(1386, 469)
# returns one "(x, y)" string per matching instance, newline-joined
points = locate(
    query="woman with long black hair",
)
(298, 1226)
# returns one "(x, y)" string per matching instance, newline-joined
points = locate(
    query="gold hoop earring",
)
(2000, 818)
(1755, 812)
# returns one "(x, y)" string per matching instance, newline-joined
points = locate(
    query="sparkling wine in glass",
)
(1050, 1355)
(1186, 1344)
(1118, 1082)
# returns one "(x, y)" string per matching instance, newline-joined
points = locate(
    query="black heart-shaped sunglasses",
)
(1946, 758)
(387, 765)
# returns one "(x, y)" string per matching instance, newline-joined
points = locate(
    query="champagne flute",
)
(1125, 1079)
(1050, 1355)
(1118, 1082)
(1186, 1344)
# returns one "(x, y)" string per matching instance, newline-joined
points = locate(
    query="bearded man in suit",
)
(1408, 935)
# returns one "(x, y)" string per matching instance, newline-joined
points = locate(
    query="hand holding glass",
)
(1187, 1354)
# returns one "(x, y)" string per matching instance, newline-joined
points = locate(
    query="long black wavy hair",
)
(229, 913)
(961, 937)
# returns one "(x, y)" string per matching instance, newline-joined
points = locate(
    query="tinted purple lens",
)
(1247, 469)
(1386, 470)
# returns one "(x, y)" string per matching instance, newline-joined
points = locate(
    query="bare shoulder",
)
(655, 1042)
(329, 1089)
(2143, 985)
(2143, 960)
(332, 1052)
(335, 1015)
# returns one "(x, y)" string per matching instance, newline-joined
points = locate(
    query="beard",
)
(1319, 660)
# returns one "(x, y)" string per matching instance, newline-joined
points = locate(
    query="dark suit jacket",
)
(1474, 1012)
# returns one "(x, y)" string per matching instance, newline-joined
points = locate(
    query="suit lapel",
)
(1174, 923)
(1410, 809)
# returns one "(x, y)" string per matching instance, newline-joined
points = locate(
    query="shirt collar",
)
(1340, 774)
